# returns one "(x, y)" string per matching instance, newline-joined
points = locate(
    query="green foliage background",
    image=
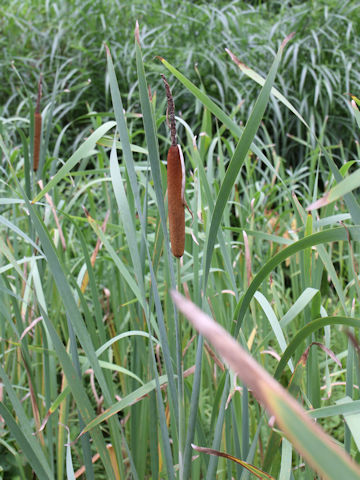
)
(318, 71)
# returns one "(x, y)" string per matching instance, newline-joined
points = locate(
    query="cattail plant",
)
(175, 183)
(37, 128)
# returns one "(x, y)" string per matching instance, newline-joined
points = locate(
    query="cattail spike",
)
(175, 183)
(171, 112)
(176, 213)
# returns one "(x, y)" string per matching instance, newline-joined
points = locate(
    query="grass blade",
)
(23, 435)
(352, 204)
(124, 403)
(261, 81)
(330, 235)
(80, 153)
(26, 444)
(237, 161)
(339, 190)
(254, 470)
(319, 450)
(306, 331)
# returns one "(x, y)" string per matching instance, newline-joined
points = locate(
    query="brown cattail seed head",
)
(176, 212)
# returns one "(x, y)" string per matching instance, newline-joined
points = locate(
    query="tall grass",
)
(102, 375)
(318, 71)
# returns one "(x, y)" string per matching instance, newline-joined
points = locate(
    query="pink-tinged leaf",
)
(272, 353)
(356, 100)
(318, 449)
(247, 257)
(30, 327)
(137, 33)
(230, 292)
(326, 350)
(287, 40)
(319, 203)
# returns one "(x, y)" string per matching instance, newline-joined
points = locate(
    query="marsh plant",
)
(228, 346)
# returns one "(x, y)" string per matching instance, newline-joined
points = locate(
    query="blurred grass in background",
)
(318, 70)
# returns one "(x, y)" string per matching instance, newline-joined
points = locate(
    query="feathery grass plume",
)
(175, 183)
(37, 127)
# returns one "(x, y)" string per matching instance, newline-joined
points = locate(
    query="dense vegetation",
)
(86, 270)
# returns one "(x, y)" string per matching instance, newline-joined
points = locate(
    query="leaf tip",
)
(108, 54)
(286, 40)
(353, 104)
(87, 214)
(319, 203)
(234, 58)
(137, 34)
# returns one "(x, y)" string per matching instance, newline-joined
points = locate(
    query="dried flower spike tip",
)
(170, 111)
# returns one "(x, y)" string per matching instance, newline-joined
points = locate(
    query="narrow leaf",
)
(317, 448)
(254, 470)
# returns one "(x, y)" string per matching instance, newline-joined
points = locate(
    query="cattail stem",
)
(182, 416)
(37, 128)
